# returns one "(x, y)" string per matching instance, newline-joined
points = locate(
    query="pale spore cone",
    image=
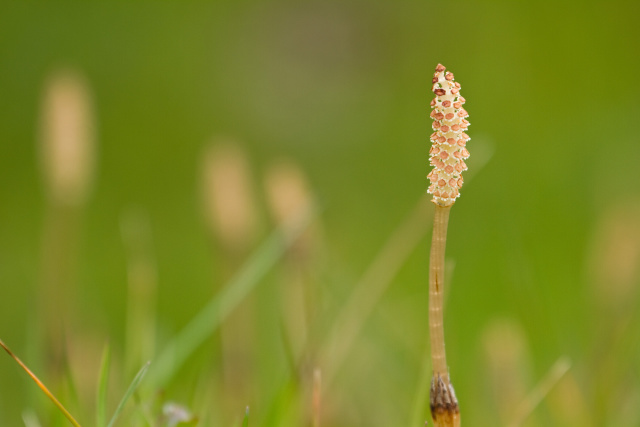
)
(448, 150)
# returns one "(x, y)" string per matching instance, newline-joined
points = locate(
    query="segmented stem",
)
(436, 288)
(443, 401)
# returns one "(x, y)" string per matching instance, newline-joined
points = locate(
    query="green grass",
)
(127, 395)
(103, 381)
(208, 320)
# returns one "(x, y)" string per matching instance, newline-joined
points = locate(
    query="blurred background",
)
(195, 129)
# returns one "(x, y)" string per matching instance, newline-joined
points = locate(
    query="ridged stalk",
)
(436, 288)
(444, 404)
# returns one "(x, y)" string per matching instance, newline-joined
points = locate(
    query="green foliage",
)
(214, 313)
(103, 381)
(127, 395)
(245, 422)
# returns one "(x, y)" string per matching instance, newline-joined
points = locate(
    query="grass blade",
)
(539, 392)
(350, 320)
(213, 314)
(245, 422)
(419, 414)
(134, 385)
(103, 380)
(44, 389)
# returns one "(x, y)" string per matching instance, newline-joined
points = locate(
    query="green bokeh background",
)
(343, 88)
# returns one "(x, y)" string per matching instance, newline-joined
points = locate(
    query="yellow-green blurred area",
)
(544, 242)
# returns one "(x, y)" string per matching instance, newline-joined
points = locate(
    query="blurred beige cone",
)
(288, 197)
(229, 202)
(67, 141)
(508, 363)
(615, 256)
(287, 189)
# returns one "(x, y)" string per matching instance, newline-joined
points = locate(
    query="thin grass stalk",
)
(557, 371)
(127, 395)
(422, 391)
(41, 385)
(103, 381)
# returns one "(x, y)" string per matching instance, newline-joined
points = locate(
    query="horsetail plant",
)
(447, 156)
